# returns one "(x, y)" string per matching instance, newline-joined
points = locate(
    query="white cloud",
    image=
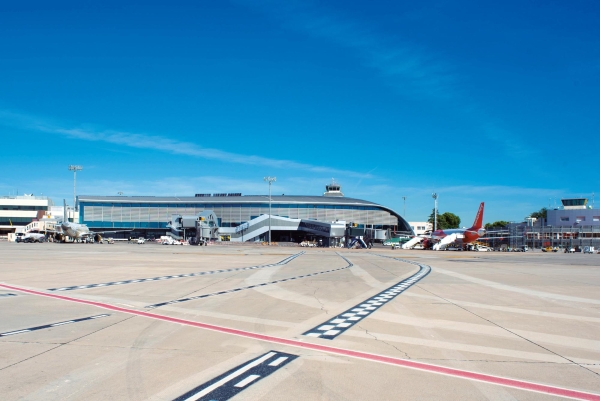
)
(161, 143)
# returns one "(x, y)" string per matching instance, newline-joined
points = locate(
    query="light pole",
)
(434, 196)
(404, 199)
(270, 180)
(74, 168)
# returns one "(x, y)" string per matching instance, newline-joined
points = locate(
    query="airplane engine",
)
(481, 232)
(97, 238)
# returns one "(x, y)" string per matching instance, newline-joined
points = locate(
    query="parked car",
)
(569, 250)
(589, 249)
(141, 240)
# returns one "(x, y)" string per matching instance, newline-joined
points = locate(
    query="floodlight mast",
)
(75, 168)
(435, 197)
(270, 180)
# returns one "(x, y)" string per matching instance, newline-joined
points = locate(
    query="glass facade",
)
(23, 208)
(156, 215)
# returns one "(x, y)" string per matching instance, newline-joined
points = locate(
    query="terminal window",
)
(596, 218)
(564, 219)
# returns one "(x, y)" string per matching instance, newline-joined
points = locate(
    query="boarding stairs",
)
(355, 240)
(447, 240)
(412, 242)
(258, 226)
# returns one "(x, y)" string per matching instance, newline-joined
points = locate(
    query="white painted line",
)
(247, 381)
(14, 332)
(232, 376)
(278, 361)
(61, 323)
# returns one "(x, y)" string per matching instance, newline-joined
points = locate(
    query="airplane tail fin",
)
(65, 211)
(478, 218)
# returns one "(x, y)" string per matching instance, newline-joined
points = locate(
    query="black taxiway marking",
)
(47, 326)
(342, 322)
(212, 294)
(8, 295)
(239, 378)
(143, 280)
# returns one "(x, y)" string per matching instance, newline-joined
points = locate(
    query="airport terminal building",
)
(18, 211)
(149, 216)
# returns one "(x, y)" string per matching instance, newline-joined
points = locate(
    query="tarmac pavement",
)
(528, 317)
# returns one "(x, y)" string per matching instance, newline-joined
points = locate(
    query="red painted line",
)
(464, 374)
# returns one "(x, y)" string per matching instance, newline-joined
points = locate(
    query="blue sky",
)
(477, 101)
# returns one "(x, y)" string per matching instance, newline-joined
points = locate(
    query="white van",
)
(589, 249)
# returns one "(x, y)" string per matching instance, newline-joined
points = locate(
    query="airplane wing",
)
(499, 238)
(106, 232)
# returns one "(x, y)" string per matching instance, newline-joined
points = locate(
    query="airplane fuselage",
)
(460, 236)
(464, 235)
(74, 230)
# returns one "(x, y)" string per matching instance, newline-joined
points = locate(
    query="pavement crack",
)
(65, 343)
(314, 294)
(385, 342)
(583, 366)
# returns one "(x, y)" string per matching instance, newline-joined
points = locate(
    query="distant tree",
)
(543, 212)
(445, 220)
(496, 224)
(431, 217)
(451, 220)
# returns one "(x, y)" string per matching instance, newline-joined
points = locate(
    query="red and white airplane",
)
(459, 236)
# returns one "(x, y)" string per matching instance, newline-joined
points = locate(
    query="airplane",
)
(80, 232)
(459, 236)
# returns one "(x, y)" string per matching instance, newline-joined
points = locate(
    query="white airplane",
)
(81, 231)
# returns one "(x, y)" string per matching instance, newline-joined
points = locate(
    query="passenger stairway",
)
(447, 240)
(357, 240)
(412, 242)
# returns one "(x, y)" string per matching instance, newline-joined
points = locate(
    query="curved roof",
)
(325, 200)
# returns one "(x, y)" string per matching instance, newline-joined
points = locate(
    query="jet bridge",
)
(199, 229)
